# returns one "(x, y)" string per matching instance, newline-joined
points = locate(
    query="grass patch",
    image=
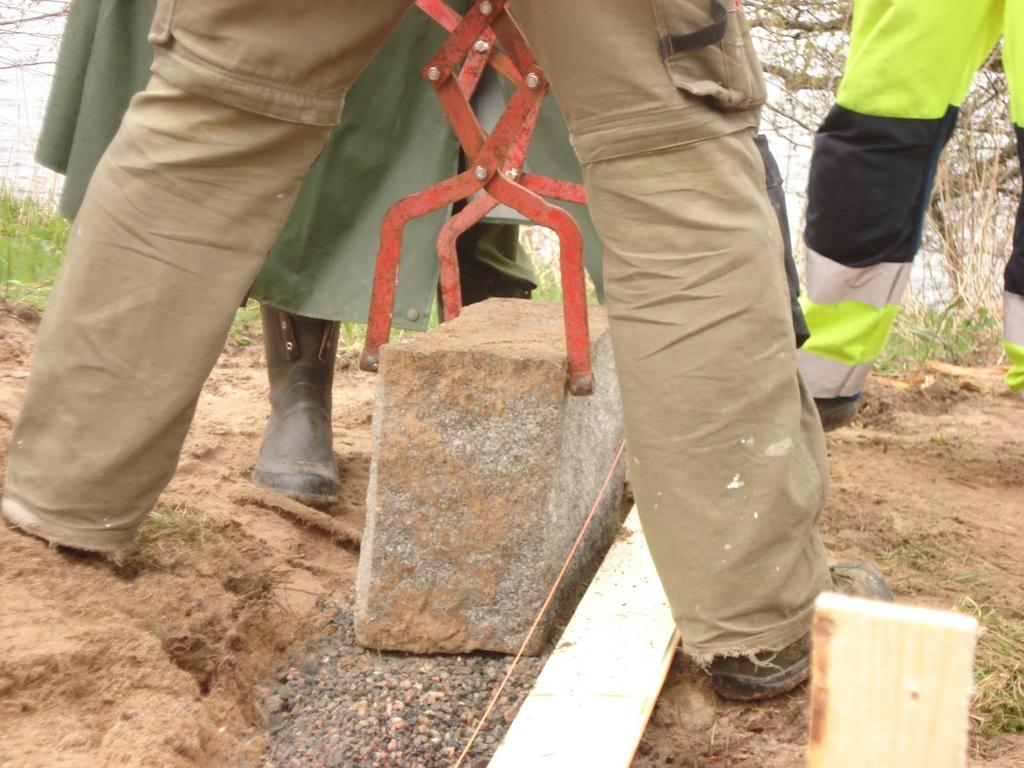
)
(245, 319)
(950, 334)
(969, 578)
(179, 524)
(998, 701)
(923, 558)
(167, 532)
(32, 241)
(352, 337)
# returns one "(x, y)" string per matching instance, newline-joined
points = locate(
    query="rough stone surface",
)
(483, 470)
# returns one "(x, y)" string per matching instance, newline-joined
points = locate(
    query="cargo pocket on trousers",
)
(160, 29)
(707, 50)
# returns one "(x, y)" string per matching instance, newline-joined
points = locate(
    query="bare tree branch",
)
(29, 19)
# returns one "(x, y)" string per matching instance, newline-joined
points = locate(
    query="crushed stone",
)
(339, 704)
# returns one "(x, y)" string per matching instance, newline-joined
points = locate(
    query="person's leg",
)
(909, 67)
(726, 454)
(178, 217)
(1013, 297)
(1013, 293)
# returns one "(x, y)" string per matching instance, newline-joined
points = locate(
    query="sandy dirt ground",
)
(160, 662)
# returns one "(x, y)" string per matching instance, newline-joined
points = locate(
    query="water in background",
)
(27, 52)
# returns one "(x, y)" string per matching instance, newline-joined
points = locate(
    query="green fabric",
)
(392, 141)
(925, 51)
(1015, 376)
(850, 332)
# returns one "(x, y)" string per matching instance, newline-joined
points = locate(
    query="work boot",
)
(836, 412)
(297, 456)
(773, 673)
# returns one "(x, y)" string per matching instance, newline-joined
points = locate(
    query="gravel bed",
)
(341, 705)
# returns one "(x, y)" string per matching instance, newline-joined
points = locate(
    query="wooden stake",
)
(890, 685)
(593, 698)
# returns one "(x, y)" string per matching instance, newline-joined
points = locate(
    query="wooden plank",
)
(890, 685)
(593, 698)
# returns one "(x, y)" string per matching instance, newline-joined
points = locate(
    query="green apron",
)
(392, 141)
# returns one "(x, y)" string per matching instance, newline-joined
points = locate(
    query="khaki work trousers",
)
(726, 452)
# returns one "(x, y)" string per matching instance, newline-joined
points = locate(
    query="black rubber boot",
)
(773, 673)
(836, 412)
(297, 456)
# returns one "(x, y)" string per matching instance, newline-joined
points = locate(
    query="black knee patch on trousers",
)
(777, 197)
(1013, 279)
(870, 182)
